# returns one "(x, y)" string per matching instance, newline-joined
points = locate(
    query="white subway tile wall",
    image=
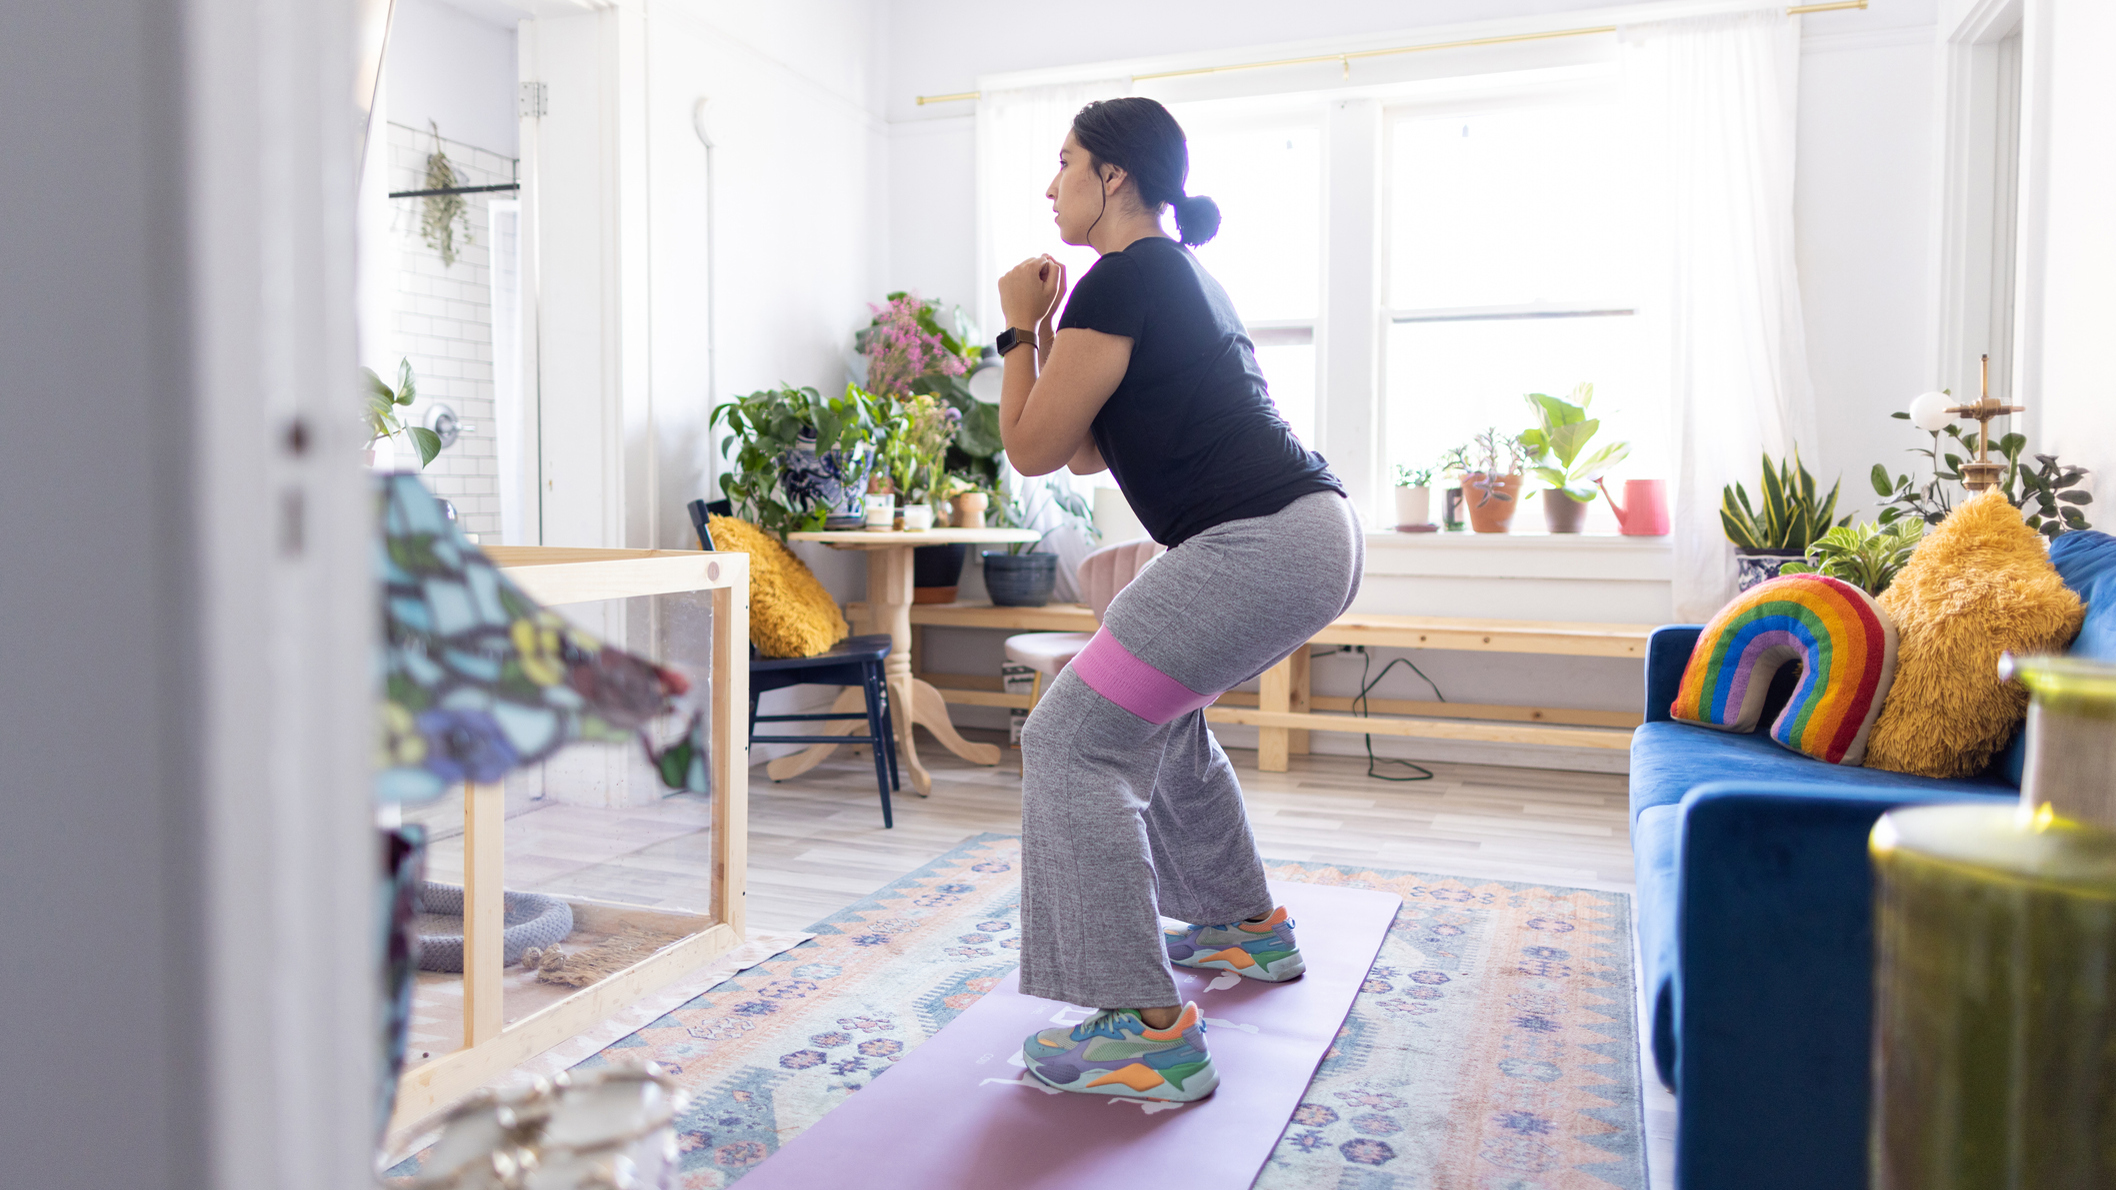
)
(442, 321)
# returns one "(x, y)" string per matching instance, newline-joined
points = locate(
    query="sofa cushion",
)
(1843, 643)
(2087, 562)
(1668, 760)
(790, 614)
(1981, 584)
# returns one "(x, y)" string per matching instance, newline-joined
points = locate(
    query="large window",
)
(1267, 178)
(1511, 268)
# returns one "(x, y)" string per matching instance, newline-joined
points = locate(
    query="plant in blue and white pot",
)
(1778, 529)
(800, 459)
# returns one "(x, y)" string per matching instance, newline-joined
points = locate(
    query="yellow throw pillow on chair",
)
(790, 614)
(1980, 584)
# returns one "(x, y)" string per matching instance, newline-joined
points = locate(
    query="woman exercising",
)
(1129, 808)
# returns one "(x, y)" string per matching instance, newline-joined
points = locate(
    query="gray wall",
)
(101, 976)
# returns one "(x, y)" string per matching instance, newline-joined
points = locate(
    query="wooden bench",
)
(1285, 709)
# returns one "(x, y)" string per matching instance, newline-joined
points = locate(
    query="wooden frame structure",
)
(555, 576)
(1285, 710)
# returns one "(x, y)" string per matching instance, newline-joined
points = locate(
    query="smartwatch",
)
(1013, 337)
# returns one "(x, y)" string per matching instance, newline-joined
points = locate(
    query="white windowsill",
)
(1390, 539)
(1563, 558)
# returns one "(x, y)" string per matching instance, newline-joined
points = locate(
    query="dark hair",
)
(1138, 136)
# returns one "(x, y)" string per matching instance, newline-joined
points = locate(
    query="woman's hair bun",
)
(1197, 218)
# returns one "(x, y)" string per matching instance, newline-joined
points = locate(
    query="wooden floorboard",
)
(816, 843)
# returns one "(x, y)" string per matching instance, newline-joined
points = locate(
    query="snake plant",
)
(1790, 519)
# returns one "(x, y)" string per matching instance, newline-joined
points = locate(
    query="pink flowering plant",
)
(906, 344)
(918, 346)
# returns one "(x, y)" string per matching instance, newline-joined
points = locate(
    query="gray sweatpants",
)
(1129, 809)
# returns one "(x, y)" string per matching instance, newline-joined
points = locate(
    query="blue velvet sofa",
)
(1755, 920)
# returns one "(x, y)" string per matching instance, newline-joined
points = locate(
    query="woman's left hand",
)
(1029, 290)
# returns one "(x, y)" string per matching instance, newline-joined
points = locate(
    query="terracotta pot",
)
(1562, 513)
(1491, 504)
(970, 510)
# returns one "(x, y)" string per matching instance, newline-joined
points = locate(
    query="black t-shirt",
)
(1190, 434)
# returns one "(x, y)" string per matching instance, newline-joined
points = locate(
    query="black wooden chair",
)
(854, 661)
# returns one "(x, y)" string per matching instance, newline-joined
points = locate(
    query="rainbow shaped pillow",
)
(1843, 642)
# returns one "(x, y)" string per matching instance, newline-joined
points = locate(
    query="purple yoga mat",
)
(960, 1112)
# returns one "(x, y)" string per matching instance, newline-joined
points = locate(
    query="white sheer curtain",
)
(1714, 101)
(1019, 132)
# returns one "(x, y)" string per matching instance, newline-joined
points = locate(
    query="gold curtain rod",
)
(1346, 58)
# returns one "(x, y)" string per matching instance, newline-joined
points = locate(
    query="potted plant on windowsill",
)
(1453, 465)
(1493, 490)
(801, 460)
(1558, 443)
(1017, 576)
(1414, 499)
(1790, 521)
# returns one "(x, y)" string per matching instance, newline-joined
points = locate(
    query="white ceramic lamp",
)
(1928, 411)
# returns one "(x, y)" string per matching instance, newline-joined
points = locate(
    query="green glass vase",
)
(1995, 967)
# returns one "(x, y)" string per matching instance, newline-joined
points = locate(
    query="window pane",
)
(1508, 208)
(1268, 183)
(1290, 370)
(1449, 380)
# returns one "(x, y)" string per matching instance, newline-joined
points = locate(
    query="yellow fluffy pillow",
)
(790, 614)
(1980, 584)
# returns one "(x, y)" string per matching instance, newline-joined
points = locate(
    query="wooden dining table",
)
(888, 609)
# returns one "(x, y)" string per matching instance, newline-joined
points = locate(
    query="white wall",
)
(1864, 208)
(2068, 235)
(454, 68)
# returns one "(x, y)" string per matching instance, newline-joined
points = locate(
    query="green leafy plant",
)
(443, 216)
(1453, 461)
(1867, 556)
(917, 446)
(1791, 518)
(1029, 500)
(1561, 436)
(1488, 449)
(2048, 494)
(1413, 477)
(770, 424)
(382, 418)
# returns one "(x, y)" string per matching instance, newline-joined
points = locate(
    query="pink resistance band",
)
(1111, 671)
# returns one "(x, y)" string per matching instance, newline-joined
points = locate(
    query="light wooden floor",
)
(817, 843)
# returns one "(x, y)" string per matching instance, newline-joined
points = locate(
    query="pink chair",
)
(1101, 575)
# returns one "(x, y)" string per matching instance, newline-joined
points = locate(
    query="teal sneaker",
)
(1256, 949)
(1115, 1053)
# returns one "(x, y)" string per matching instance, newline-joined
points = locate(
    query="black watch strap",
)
(1013, 337)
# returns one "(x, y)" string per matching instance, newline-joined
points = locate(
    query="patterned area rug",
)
(1493, 1046)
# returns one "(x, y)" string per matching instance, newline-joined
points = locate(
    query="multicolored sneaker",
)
(1257, 949)
(1115, 1053)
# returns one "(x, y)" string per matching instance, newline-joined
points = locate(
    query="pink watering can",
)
(1644, 512)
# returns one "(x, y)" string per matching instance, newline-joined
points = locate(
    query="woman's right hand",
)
(1029, 290)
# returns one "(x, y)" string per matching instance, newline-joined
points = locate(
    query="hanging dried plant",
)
(439, 226)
